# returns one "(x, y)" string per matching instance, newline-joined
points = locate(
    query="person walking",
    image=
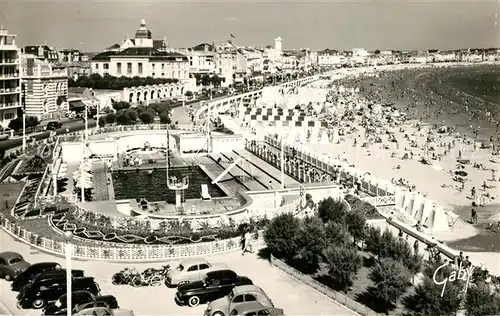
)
(248, 243)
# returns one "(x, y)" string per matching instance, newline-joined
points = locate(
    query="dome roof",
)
(143, 31)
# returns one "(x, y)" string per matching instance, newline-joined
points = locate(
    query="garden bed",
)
(101, 228)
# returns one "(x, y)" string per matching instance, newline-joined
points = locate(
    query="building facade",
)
(10, 82)
(45, 88)
(329, 58)
(140, 58)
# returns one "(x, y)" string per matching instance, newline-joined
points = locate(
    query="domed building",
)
(142, 56)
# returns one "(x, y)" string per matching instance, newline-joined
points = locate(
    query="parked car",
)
(44, 275)
(104, 311)
(52, 126)
(216, 284)
(79, 299)
(31, 272)
(191, 270)
(38, 294)
(12, 264)
(255, 309)
(239, 295)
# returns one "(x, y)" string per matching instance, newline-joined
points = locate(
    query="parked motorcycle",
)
(123, 277)
(150, 277)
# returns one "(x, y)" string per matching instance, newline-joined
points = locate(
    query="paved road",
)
(294, 297)
(71, 126)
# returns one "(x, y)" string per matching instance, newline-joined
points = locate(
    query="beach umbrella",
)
(85, 184)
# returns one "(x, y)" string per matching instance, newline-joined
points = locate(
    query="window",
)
(204, 266)
(193, 268)
(96, 66)
(8, 116)
(119, 68)
(129, 68)
(106, 66)
(250, 298)
(153, 66)
(162, 66)
(139, 68)
(238, 299)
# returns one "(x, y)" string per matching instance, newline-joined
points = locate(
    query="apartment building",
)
(45, 88)
(10, 82)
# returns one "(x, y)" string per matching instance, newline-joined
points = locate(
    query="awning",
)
(76, 105)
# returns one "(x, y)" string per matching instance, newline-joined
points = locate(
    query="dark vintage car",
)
(38, 293)
(11, 265)
(215, 285)
(17, 285)
(80, 300)
(31, 272)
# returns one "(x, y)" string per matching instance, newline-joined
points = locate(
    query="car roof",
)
(219, 272)
(250, 307)
(246, 288)
(9, 255)
(45, 264)
(192, 261)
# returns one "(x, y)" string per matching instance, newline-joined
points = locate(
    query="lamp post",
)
(84, 155)
(23, 101)
(68, 251)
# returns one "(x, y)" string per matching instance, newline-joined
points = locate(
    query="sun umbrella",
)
(85, 184)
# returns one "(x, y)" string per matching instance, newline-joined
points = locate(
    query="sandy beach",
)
(435, 180)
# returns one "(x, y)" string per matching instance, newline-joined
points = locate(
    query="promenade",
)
(294, 297)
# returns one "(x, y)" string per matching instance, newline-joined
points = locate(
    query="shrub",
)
(331, 210)
(110, 118)
(121, 105)
(102, 121)
(391, 278)
(165, 118)
(359, 206)
(356, 225)
(343, 264)
(132, 115)
(146, 117)
(280, 236)
(123, 119)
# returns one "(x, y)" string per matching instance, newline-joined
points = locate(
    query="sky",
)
(378, 24)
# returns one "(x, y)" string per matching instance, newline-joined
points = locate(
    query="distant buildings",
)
(10, 82)
(45, 88)
(142, 57)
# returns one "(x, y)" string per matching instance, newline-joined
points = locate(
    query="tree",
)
(205, 80)
(102, 121)
(310, 241)
(16, 124)
(32, 121)
(146, 117)
(336, 234)
(123, 119)
(215, 80)
(343, 264)
(481, 301)
(132, 115)
(427, 299)
(280, 236)
(110, 118)
(165, 117)
(391, 278)
(189, 93)
(356, 225)
(331, 210)
(121, 105)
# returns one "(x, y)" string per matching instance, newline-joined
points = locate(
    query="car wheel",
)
(194, 301)
(155, 280)
(38, 303)
(218, 314)
(8, 277)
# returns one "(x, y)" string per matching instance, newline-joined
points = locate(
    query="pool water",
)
(152, 184)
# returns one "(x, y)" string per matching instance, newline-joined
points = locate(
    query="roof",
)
(76, 105)
(204, 47)
(9, 255)
(249, 307)
(246, 288)
(103, 56)
(192, 261)
(114, 46)
(159, 44)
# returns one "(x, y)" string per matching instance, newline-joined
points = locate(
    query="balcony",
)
(10, 90)
(9, 76)
(10, 105)
(9, 61)
(8, 46)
